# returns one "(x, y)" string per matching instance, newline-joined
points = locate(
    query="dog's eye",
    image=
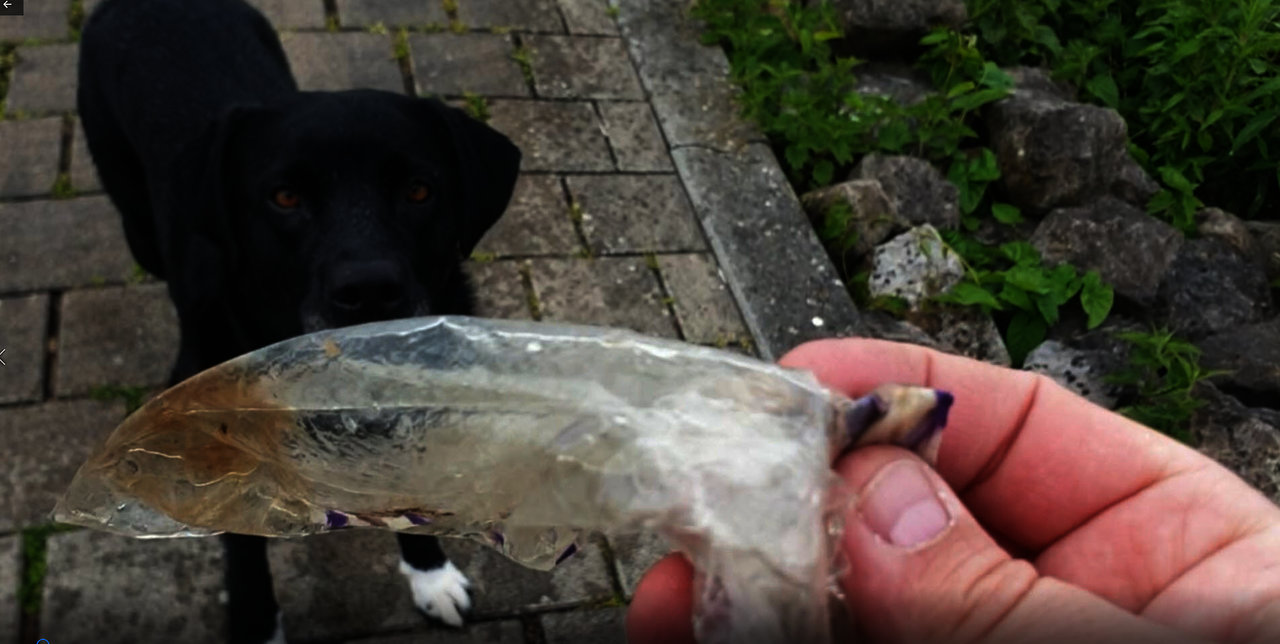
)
(286, 199)
(418, 192)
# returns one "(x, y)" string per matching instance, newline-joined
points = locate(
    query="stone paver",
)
(705, 307)
(666, 46)
(44, 80)
(635, 213)
(341, 585)
(598, 626)
(107, 588)
(635, 138)
(84, 175)
(504, 632)
(324, 61)
(536, 223)
(500, 291)
(37, 253)
(40, 19)
(365, 13)
(44, 445)
(558, 137)
(633, 555)
(446, 64)
(523, 15)
(589, 17)
(750, 212)
(29, 165)
(10, 568)
(23, 322)
(115, 336)
(294, 14)
(503, 587)
(577, 67)
(608, 291)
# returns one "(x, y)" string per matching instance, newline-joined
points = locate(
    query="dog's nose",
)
(367, 289)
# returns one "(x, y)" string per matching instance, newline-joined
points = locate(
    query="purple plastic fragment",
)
(334, 519)
(864, 412)
(497, 538)
(417, 519)
(568, 552)
(932, 423)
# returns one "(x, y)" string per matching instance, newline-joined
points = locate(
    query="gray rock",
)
(1036, 83)
(915, 266)
(1083, 372)
(1266, 238)
(1054, 153)
(1130, 249)
(881, 25)
(871, 216)
(882, 326)
(1211, 287)
(963, 331)
(1250, 354)
(919, 192)
(666, 46)
(1133, 184)
(905, 84)
(1220, 224)
(1245, 440)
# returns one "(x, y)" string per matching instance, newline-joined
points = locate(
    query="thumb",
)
(921, 569)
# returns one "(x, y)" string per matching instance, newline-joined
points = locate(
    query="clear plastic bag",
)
(521, 435)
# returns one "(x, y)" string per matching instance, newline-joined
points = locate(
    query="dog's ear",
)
(488, 166)
(200, 248)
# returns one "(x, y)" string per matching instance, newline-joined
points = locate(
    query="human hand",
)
(1049, 519)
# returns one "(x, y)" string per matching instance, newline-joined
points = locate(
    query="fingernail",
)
(901, 505)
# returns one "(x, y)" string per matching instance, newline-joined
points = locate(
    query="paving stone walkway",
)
(641, 193)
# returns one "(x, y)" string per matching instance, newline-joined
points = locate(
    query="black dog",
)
(271, 212)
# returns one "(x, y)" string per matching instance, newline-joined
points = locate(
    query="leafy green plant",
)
(1163, 369)
(476, 106)
(133, 397)
(1013, 279)
(801, 93)
(1197, 82)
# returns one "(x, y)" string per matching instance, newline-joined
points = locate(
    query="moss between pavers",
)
(75, 19)
(133, 397)
(35, 565)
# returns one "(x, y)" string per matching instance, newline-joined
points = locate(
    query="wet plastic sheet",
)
(521, 435)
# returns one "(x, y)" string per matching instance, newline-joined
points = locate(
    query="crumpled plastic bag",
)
(524, 436)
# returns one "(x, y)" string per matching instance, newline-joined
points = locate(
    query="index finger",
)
(1017, 445)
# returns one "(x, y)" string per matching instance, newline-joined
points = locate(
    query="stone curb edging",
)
(786, 286)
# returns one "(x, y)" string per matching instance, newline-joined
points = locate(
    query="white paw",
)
(440, 593)
(278, 637)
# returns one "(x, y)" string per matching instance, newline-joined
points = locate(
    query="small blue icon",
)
(42, 641)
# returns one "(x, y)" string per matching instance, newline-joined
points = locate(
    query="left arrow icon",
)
(6, 4)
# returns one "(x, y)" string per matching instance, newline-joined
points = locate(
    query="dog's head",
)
(337, 209)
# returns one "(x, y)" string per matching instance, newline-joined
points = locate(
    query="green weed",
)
(477, 106)
(1197, 82)
(1164, 370)
(62, 187)
(331, 24)
(1013, 280)
(75, 19)
(524, 58)
(378, 28)
(132, 396)
(35, 547)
